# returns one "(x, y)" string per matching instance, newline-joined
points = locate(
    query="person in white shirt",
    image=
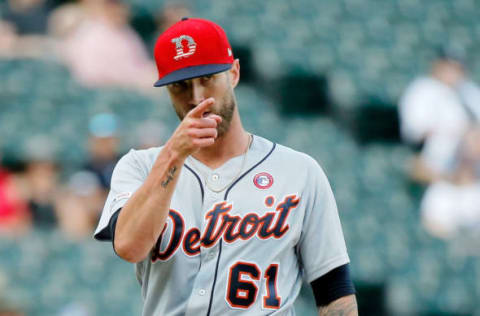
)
(453, 205)
(436, 112)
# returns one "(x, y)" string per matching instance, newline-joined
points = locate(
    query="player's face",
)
(187, 94)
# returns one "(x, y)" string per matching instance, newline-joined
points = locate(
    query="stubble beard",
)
(226, 113)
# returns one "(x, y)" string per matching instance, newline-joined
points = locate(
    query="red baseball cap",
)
(191, 48)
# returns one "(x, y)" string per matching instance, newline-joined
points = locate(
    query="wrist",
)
(168, 158)
(175, 154)
(177, 149)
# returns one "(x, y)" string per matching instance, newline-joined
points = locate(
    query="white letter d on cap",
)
(178, 41)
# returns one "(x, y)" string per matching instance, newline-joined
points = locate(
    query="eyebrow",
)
(176, 82)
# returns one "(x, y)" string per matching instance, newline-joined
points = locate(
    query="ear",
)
(235, 73)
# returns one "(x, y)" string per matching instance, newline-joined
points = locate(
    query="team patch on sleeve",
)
(119, 197)
(122, 196)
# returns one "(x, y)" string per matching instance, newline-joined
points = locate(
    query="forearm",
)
(143, 217)
(344, 306)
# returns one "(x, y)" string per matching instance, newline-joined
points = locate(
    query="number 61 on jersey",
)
(242, 288)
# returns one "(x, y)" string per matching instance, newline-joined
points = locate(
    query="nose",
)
(197, 93)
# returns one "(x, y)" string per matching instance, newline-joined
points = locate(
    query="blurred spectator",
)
(65, 19)
(27, 16)
(81, 200)
(14, 215)
(103, 148)
(435, 112)
(79, 205)
(8, 39)
(103, 50)
(170, 14)
(23, 28)
(453, 204)
(40, 181)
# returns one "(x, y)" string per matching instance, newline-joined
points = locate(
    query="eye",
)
(207, 78)
(178, 86)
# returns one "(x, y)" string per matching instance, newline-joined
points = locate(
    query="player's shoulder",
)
(289, 157)
(143, 158)
(294, 154)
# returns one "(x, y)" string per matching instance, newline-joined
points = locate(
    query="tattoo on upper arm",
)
(345, 306)
(170, 175)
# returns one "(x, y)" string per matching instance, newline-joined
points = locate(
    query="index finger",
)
(201, 108)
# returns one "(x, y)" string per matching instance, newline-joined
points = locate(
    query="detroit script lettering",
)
(221, 224)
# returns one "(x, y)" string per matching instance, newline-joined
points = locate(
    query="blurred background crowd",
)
(384, 94)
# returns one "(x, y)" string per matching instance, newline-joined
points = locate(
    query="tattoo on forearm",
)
(170, 175)
(342, 307)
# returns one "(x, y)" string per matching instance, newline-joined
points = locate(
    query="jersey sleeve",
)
(127, 177)
(321, 246)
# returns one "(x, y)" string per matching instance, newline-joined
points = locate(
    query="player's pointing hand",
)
(202, 108)
(198, 129)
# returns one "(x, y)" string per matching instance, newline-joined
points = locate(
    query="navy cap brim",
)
(192, 72)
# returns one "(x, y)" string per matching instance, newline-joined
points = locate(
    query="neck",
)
(233, 143)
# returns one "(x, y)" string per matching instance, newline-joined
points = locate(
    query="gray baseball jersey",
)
(243, 250)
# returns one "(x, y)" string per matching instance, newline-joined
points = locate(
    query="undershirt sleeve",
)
(111, 227)
(333, 285)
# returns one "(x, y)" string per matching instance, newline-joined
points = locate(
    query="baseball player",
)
(219, 221)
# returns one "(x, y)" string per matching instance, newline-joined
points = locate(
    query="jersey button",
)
(215, 177)
(202, 292)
